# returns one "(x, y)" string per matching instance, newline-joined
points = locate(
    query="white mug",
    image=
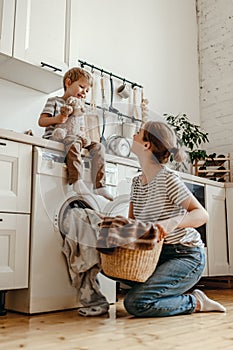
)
(123, 91)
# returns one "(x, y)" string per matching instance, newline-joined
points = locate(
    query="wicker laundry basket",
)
(131, 264)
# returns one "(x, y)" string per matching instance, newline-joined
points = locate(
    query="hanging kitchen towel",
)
(104, 108)
(135, 110)
(83, 259)
(92, 118)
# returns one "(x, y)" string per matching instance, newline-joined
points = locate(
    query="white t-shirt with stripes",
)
(52, 107)
(161, 199)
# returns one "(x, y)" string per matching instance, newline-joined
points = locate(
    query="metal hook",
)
(92, 69)
(101, 73)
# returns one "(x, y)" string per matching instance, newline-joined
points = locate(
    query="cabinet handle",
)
(2, 144)
(43, 64)
(1, 219)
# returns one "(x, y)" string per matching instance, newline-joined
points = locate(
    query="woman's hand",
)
(161, 233)
(166, 226)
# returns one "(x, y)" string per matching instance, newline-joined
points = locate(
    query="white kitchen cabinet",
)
(14, 250)
(216, 231)
(35, 42)
(42, 30)
(15, 176)
(229, 205)
(15, 207)
(7, 11)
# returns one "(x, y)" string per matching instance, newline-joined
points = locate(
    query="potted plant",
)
(188, 135)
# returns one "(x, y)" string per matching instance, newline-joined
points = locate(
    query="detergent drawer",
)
(49, 162)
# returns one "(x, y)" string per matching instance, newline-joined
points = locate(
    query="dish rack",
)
(216, 168)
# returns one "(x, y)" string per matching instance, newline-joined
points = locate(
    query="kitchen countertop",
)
(39, 141)
(31, 140)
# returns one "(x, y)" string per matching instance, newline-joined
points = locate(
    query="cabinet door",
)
(217, 245)
(74, 29)
(15, 176)
(229, 205)
(42, 30)
(14, 251)
(7, 9)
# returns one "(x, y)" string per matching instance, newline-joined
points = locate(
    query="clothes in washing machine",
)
(78, 225)
(73, 200)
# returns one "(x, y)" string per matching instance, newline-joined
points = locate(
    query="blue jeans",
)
(179, 269)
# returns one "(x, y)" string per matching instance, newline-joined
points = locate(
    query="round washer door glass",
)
(119, 206)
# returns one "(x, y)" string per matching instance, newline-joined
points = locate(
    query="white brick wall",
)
(215, 22)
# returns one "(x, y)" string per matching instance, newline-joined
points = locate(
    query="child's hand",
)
(66, 110)
(86, 141)
(61, 118)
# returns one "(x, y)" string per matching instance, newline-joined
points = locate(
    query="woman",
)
(159, 195)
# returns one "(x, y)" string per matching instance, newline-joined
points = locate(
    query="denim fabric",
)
(178, 270)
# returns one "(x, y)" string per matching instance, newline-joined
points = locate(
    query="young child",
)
(76, 83)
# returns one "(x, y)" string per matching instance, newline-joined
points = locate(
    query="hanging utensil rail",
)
(93, 67)
(121, 115)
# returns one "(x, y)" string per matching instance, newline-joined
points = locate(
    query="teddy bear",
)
(75, 124)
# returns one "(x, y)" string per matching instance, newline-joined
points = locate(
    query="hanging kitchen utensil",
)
(118, 145)
(104, 106)
(111, 108)
(123, 90)
(92, 118)
(144, 107)
(129, 129)
(135, 111)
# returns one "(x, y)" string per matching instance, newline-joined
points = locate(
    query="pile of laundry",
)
(87, 233)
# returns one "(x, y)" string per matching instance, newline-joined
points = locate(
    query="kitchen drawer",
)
(15, 176)
(14, 250)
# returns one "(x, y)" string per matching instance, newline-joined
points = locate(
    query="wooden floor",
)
(118, 330)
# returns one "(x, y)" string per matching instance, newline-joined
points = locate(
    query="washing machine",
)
(49, 282)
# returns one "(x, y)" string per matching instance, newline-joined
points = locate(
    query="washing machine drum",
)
(69, 204)
(119, 206)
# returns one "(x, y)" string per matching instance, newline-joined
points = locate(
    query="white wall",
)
(152, 42)
(20, 107)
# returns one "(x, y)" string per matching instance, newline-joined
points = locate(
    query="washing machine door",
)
(69, 203)
(119, 206)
